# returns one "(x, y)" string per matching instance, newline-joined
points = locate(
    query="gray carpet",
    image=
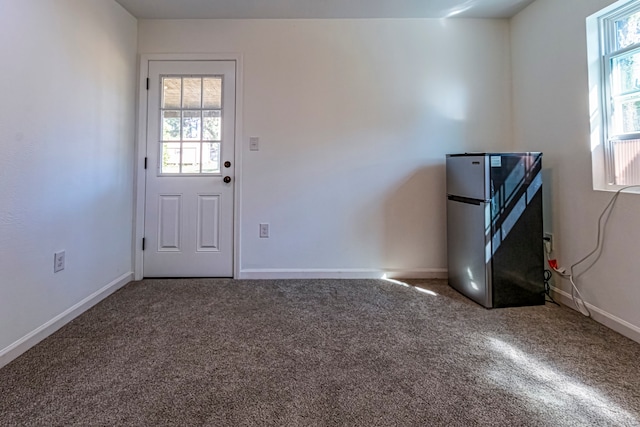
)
(321, 353)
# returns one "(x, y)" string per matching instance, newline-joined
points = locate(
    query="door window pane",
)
(192, 93)
(212, 92)
(191, 157)
(211, 125)
(171, 125)
(191, 126)
(211, 157)
(171, 89)
(170, 157)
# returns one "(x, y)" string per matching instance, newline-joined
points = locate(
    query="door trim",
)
(140, 152)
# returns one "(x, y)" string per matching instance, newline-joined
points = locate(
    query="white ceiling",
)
(303, 9)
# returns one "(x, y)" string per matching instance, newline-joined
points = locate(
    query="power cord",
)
(547, 287)
(575, 292)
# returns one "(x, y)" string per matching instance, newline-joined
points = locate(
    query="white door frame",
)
(141, 140)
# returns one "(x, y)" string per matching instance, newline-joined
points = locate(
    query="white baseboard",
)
(424, 273)
(34, 337)
(609, 320)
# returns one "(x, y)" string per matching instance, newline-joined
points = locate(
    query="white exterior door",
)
(188, 227)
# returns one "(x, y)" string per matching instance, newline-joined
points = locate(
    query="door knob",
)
(227, 164)
(227, 179)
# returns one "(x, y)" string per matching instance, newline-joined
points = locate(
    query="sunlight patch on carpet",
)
(406, 285)
(539, 383)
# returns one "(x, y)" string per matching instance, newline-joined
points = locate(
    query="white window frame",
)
(600, 51)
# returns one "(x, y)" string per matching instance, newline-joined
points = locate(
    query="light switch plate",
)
(254, 143)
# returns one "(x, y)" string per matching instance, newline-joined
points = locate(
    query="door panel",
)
(208, 222)
(169, 224)
(190, 134)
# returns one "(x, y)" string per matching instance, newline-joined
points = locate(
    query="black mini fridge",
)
(494, 227)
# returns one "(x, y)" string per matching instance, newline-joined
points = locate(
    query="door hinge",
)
(147, 83)
(145, 162)
(143, 243)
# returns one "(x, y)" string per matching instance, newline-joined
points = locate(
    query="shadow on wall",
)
(415, 221)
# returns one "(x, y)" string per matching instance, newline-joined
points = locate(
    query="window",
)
(614, 78)
(191, 113)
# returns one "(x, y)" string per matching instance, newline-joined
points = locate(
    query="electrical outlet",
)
(264, 231)
(548, 242)
(58, 261)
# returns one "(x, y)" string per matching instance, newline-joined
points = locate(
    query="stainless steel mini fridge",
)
(494, 227)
